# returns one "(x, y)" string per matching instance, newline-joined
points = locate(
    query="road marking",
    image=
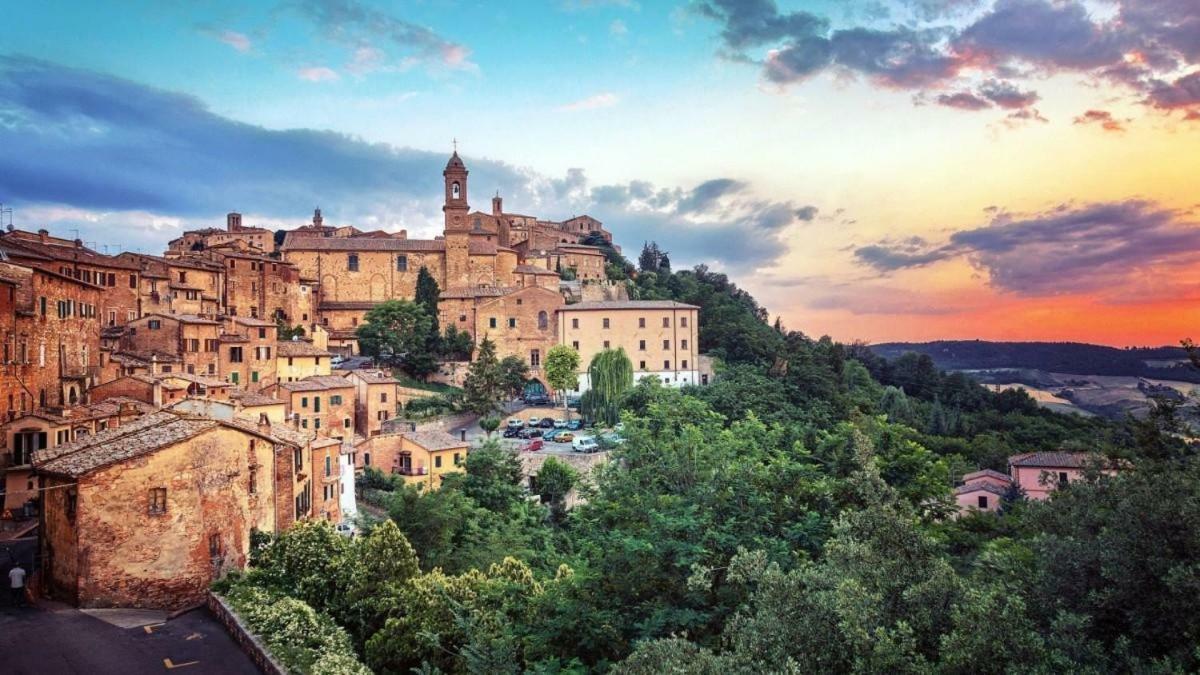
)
(170, 666)
(194, 636)
(150, 628)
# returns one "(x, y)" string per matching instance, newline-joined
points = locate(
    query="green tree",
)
(610, 375)
(427, 295)
(515, 373)
(396, 332)
(456, 345)
(554, 481)
(562, 371)
(493, 477)
(489, 425)
(287, 332)
(484, 385)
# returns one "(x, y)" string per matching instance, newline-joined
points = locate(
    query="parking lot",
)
(548, 446)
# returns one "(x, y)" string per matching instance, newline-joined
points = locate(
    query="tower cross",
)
(456, 144)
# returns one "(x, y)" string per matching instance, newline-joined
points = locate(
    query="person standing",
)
(16, 582)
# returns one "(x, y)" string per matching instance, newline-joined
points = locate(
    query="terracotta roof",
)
(348, 304)
(373, 376)
(253, 398)
(317, 383)
(183, 318)
(63, 249)
(139, 437)
(986, 473)
(278, 432)
(533, 269)
(351, 244)
(250, 321)
(109, 407)
(626, 304)
(434, 440)
(298, 348)
(980, 486)
(1066, 460)
(475, 292)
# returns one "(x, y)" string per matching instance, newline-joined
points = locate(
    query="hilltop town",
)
(178, 403)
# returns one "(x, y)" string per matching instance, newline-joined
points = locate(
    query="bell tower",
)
(457, 231)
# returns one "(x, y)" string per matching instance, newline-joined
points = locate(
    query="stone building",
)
(148, 514)
(323, 404)
(188, 285)
(298, 359)
(659, 336)
(193, 338)
(246, 353)
(522, 322)
(376, 397)
(255, 238)
(326, 455)
(423, 457)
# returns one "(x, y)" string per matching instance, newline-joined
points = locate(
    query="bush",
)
(300, 638)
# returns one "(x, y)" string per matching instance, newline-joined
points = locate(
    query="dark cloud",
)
(963, 100)
(931, 43)
(1101, 247)
(1102, 118)
(132, 164)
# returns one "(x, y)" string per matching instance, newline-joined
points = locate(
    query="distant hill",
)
(1168, 363)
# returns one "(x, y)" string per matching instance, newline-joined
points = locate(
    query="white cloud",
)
(603, 100)
(317, 74)
(238, 41)
(618, 28)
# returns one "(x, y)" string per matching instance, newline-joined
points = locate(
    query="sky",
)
(875, 170)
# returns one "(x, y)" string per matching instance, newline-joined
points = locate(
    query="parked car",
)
(336, 360)
(560, 424)
(563, 437)
(529, 433)
(573, 402)
(574, 425)
(515, 423)
(546, 423)
(537, 400)
(533, 421)
(532, 445)
(347, 529)
(512, 432)
(585, 444)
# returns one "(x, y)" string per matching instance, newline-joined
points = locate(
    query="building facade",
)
(659, 337)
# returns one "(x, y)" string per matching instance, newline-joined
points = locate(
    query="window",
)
(346, 423)
(262, 333)
(666, 322)
(1062, 478)
(605, 322)
(133, 281)
(983, 502)
(254, 376)
(666, 344)
(182, 277)
(253, 480)
(574, 323)
(684, 365)
(336, 399)
(457, 459)
(235, 354)
(366, 459)
(298, 457)
(683, 321)
(402, 263)
(606, 344)
(543, 320)
(316, 404)
(437, 461)
(214, 545)
(158, 501)
(233, 377)
(535, 358)
(303, 401)
(383, 397)
(328, 467)
(462, 318)
(642, 322)
(42, 305)
(575, 345)
(512, 322)
(455, 190)
(666, 365)
(642, 345)
(352, 262)
(641, 365)
(683, 344)
(492, 322)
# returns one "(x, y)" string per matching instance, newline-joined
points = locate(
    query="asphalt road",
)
(52, 639)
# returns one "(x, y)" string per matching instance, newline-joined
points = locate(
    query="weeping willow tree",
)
(611, 375)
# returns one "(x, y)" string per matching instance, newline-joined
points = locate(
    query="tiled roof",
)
(533, 269)
(141, 436)
(374, 377)
(253, 398)
(182, 318)
(979, 486)
(64, 250)
(317, 383)
(298, 348)
(278, 432)
(460, 292)
(434, 440)
(351, 244)
(1066, 460)
(627, 304)
(91, 411)
(250, 321)
(348, 304)
(986, 473)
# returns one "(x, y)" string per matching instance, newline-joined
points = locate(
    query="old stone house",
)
(181, 494)
(322, 403)
(661, 337)
(421, 457)
(246, 353)
(377, 394)
(193, 338)
(256, 238)
(298, 359)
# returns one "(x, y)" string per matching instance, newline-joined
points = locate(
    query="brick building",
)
(235, 232)
(194, 339)
(298, 359)
(181, 494)
(323, 404)
(419, 456)
(377, 395)
(247, 352)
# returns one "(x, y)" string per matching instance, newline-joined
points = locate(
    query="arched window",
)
(543, 320)
(455, 190)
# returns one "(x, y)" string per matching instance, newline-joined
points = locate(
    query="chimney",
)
(154, 364)
(44, 235)
(264, 424)
(233, 221)
(78, 243)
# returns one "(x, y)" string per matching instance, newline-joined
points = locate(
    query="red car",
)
(532, 445)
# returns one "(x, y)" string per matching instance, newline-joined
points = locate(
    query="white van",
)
(584, 444)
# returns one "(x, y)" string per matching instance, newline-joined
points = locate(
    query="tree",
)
(652, 257)
(483, 387)
(456, 345)
(396, 332)
(493, 477)
(489, 425)
(287, 332)
(427, 295)
(515, 372)
(562, 371)
(610, 375)
(554, 481)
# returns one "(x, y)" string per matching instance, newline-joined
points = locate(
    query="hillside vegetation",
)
(793, 516)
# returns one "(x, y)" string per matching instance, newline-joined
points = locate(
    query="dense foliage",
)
(796, 515)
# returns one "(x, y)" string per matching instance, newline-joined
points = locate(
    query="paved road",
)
(54, 639)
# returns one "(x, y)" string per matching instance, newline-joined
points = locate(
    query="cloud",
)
(618, 28)
(964, 52)
(317, 74)
(238, 41)
(1102, 248)
(130, 164)
(357, 25)
(602, 100)
(1102, 118)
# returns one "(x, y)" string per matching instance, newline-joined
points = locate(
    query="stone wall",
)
(241, 634)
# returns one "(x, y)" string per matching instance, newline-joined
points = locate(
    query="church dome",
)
(455, 163)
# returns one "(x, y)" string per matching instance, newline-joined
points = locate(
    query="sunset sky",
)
(876, 169)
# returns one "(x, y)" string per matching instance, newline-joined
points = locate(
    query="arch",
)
(72, 395)
(455, 190)
(543, 320)
(329, 287)
(378, 288)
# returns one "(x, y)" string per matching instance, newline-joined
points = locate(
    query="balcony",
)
(410, 470)
(78, 372)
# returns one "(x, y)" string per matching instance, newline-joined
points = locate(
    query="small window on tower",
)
(455, 190)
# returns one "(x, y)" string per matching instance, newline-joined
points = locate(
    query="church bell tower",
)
(457, 232)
